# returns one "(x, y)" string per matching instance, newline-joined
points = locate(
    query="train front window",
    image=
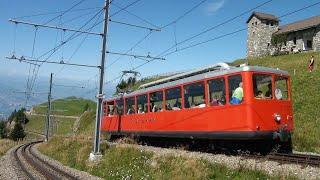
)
(217, 92)
(142, 102)
(281, 89)
(156, 101)
(119, 106)
(262, 86)
(173, 99)
(130, 105)
(235, 89)
(194, 95)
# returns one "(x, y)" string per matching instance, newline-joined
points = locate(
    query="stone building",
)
(299, 36)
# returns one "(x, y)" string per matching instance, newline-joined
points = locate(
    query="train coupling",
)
(283, 134)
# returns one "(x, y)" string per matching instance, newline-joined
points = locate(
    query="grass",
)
(71, 106)
(131, 163)
(306, 97)
(36, 124)
(6, 144)
(64, 126)
(86, 125)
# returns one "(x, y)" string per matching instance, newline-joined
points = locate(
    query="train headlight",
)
(277, 117)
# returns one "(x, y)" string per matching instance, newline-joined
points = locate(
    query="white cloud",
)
(214, 6)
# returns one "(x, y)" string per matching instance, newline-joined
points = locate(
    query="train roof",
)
(215, 70)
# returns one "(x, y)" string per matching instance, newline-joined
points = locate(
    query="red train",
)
(216, 103)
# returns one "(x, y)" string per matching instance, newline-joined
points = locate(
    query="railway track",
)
(33, 167)
(301, 159)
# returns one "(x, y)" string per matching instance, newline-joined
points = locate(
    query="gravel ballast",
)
(10, 170)
(271, 168)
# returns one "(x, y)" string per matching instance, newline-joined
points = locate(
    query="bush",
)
(17, 133)
(3, 129)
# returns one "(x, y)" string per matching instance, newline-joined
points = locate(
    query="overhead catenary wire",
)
(219, 37)
(162, 27)
(55, 12)
(216, 26)
(124, 8)
(77, 49)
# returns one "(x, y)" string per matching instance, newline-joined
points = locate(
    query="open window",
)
(194, 95)
(173, 98)
(217, 92)
(262, 86)
(156, 101)
(281, 91)
(142, 102)
(130, 105)
(110, 108)
(235, 89)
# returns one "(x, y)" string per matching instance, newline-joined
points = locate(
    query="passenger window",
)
(119, 106)
(142, 101)
(130, 105)
(156, 101)
(217, 92)
(194, 95)
(281, 90)
(111, 108)
(262, 86)
(173, 99)
(235, 89)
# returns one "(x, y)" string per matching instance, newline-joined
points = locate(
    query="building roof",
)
(299, 25)
(263, 16)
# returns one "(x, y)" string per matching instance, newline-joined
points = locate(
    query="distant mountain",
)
(11, 87)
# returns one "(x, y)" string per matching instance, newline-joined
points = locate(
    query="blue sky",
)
(121, 38)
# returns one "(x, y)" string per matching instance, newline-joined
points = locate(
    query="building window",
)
(268, 44)
(156, 101)
(194, 95)
(309, 44)
(267, 23)
(271, 24)
(235, 89)
(217, 92)
(130, 105)
(142, 102)
(295, 40)
(173, 99)
(256, 22)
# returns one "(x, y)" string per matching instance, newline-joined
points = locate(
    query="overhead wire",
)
(219, 37)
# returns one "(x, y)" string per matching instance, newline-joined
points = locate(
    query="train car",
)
(217, 103)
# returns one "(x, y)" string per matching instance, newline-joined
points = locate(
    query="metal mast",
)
(96, 147)
(49, 110)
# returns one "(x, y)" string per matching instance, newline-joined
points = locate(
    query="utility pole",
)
(96, 144)
(49, 110)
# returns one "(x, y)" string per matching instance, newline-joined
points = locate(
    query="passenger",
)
(140, 110)
(177, 103)
(214, 101)
(168, 107)
(278, 93)
(130, 110)
(237, 95)
(155, 108)
(260, 95)
(268, 94)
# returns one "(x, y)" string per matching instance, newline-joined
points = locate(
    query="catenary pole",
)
(49, 109)
(96, 143)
